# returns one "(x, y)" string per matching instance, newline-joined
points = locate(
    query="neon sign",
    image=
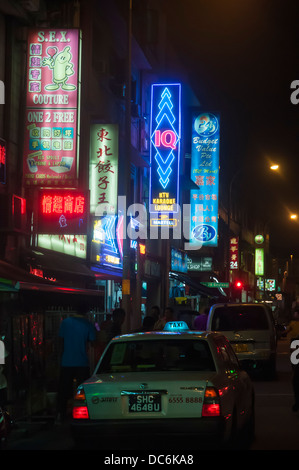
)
(106, 246)
(103, 168)
(62, 211)
(165, 131)
(2, 161)
(205, 174)
(52, 108)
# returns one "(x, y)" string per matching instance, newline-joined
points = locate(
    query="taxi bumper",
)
(212, 428)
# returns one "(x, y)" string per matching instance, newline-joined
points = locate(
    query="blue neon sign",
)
(205, 174)
(165, 141)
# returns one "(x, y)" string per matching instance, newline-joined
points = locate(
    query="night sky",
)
(243, 56)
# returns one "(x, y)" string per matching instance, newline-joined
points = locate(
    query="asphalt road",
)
(277, 426)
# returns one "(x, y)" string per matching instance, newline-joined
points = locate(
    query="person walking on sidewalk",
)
(75, 332)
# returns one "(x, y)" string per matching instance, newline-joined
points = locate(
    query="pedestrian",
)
(147, 324)
(168, 316)
(200, 322)
(75, 333)
(292, 332)
(155, 312)
(118, 317)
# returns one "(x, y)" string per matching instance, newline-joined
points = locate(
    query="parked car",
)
(251, 331)
(172, 383)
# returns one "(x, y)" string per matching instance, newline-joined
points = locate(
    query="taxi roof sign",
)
(176, 326)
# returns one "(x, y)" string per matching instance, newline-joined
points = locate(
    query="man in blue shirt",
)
(75, 332)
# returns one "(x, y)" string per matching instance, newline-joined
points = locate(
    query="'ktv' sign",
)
(165, 142)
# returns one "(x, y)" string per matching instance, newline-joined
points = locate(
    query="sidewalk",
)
(39, 435)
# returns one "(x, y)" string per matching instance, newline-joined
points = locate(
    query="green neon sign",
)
(259, 261)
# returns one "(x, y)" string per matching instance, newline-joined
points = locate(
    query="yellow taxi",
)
(174, 382)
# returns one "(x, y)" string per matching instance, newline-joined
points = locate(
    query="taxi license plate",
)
(144, 403)
(240, 348)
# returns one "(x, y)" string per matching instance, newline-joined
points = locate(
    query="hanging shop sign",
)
(165, 148)
(197, 263)
(178, 260)
(62, 211)
(2, 161)
(106, 244)
(205, 174)
(103, 169)
(52, 108)
(259, 261)
(234, 253)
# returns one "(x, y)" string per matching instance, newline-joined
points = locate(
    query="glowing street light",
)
(274, 167)
(293, 216)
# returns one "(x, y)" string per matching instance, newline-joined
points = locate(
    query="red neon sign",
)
(63, 211)
(63, 204)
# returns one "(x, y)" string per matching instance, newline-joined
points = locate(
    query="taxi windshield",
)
(157, 355)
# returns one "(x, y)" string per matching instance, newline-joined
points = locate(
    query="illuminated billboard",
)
(103, 169)
(165, 142)
(205, 174)
(72, 245)
(2, 161)
(52, 108)
(259, 261)
(107, 244)
(62, 211)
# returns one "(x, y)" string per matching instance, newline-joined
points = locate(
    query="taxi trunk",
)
(121, 396)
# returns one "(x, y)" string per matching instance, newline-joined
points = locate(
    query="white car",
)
(175, 382)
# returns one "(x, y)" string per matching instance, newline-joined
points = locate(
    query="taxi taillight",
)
(211, 405)
(80, 410)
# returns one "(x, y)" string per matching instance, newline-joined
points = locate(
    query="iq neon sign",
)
(165, 142)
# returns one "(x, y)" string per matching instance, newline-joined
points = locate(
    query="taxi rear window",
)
(157, 355)
(247, 317)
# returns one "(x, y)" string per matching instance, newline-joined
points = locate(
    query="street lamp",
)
(293, 216)
(274, 167)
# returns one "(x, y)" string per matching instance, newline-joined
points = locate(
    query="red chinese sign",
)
(62, 212)
(234, 253)
(2, 161)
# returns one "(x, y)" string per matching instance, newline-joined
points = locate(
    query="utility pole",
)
(126, 281)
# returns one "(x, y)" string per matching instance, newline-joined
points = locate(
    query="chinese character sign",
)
(51, 127)
(165, 141)
(259, 261)
(62, 211)
(205, 174)
(103, 169)
(234, 253)
(2, 161)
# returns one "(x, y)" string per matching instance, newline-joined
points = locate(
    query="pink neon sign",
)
(50, 143)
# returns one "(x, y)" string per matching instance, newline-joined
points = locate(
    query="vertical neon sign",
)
(165, 132)
(205, 174)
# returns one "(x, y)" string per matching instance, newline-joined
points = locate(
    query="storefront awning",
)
(10, 275)
(197, 286)
(27, 286)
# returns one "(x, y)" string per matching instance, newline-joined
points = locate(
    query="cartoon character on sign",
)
(61, 66)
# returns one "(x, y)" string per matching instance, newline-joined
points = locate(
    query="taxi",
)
(174, 382)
